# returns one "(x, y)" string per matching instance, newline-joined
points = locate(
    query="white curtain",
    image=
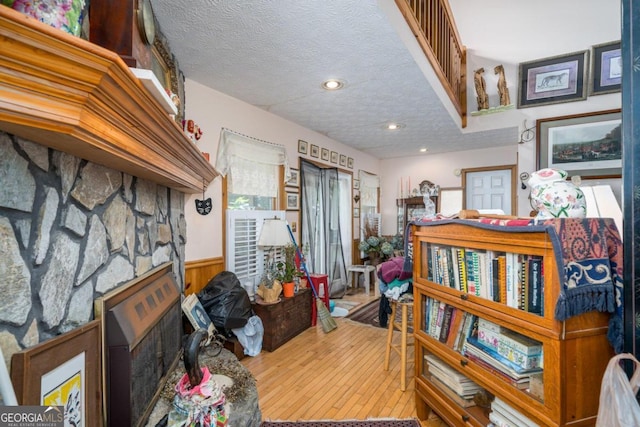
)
(252, 164)
(369, 184)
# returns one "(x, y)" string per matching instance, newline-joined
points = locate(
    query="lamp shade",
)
(274, 233)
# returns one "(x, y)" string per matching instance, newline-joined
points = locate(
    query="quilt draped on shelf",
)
(588, 252)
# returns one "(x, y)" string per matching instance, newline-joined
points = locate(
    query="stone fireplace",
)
(70, 231)
(93, 175)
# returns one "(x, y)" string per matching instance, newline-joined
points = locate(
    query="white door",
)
(489, 189)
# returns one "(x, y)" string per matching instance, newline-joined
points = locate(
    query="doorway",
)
(490, 188)
(325, 206)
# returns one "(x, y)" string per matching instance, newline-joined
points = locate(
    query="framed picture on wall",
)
(553, 80)
(315, 151)
(343, 160)
(302, 147)
(606, 68)
(588, 144)
(293, 201)
(356, 212)
(350, 162)
(295, 178)
(325, 154)
(334, 157)
(356, 184)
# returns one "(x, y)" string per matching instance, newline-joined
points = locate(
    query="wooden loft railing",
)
(431, 21)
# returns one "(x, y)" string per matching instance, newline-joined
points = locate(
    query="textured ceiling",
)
(275, 54)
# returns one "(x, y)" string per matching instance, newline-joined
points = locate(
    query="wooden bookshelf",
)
(575, 352)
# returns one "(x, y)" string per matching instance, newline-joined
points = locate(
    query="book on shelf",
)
(439, 317)
(471, 279)
(509, 278)
(446, 323)
(495, 280)
(459, 383)
(457, 318)
(509, 414)
(488, 333)
(502, 278)
(462, 269)
(534, 300)
(523, 276)
(445, 389)
(520, 383)
(465, 330)
(494, 358)
(519, 349)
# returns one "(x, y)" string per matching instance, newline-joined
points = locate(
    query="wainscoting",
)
(198, 273)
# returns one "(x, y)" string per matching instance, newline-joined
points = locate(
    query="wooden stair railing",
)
(431, 21)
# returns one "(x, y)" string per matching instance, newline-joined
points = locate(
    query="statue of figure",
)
(502, 86)
(481, 92)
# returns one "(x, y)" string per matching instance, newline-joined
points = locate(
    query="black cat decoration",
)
(204, 206)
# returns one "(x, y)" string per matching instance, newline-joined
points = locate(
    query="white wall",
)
(212, 111)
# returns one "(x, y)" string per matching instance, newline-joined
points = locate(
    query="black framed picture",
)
(315, 151)
(606, 68)
(350, 162)
(343, 160)
(588, 144)
(325, 154)
(553, 80)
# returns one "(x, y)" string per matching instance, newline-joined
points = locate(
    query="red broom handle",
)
(303, 264)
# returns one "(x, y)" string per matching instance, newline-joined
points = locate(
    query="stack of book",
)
(504, 415)
(448, 324)
(451, 382)
(517, 348)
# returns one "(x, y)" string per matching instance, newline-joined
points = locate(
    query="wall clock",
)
(146, 21)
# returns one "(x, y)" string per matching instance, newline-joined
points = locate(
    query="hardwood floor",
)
(337, 375)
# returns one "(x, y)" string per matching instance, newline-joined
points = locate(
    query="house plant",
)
(287, 271)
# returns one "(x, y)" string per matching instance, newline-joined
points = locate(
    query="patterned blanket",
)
(589, 253)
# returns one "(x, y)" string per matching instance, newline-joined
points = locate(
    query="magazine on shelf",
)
(451, 394)
(196, 314)
(506, 412)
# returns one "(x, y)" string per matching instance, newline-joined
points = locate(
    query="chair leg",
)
(403, 349)
(390, 336)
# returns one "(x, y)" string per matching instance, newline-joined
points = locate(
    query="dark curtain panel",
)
(630, 50)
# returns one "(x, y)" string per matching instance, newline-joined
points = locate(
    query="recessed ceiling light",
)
(423, 150)
(394, 126)
(333, 84)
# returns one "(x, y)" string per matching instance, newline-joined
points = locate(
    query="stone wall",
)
(70, 231)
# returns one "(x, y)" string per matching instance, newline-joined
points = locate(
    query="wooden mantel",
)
(74, 96)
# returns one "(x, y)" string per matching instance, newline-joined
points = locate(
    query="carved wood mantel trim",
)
(74, 96)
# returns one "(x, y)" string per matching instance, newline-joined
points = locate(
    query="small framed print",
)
(315, 151)
(356, 184)
(325, 154)
(303, 147)
(295, 178)
(356, 212)
(343, 160)
(293, 201)
(334, 157)
(606, 68)
(350, 162)
(553, 80)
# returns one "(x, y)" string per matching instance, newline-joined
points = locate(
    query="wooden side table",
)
(285, 319)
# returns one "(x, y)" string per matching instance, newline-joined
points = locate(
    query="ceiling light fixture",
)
(394, 126)
(423, 150)
(333, 84)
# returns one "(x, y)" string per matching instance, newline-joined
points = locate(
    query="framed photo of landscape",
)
(589, 145)
(553, 80)
(606, 71)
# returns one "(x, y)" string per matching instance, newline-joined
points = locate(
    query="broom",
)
(327, 322)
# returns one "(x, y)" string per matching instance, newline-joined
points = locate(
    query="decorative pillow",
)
(66, 15)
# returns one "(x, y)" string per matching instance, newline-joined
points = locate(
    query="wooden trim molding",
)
(71, 95)
(199, 272)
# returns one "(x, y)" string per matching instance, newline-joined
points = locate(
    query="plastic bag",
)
(250, 337)
(226, 302)
(618, 404)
